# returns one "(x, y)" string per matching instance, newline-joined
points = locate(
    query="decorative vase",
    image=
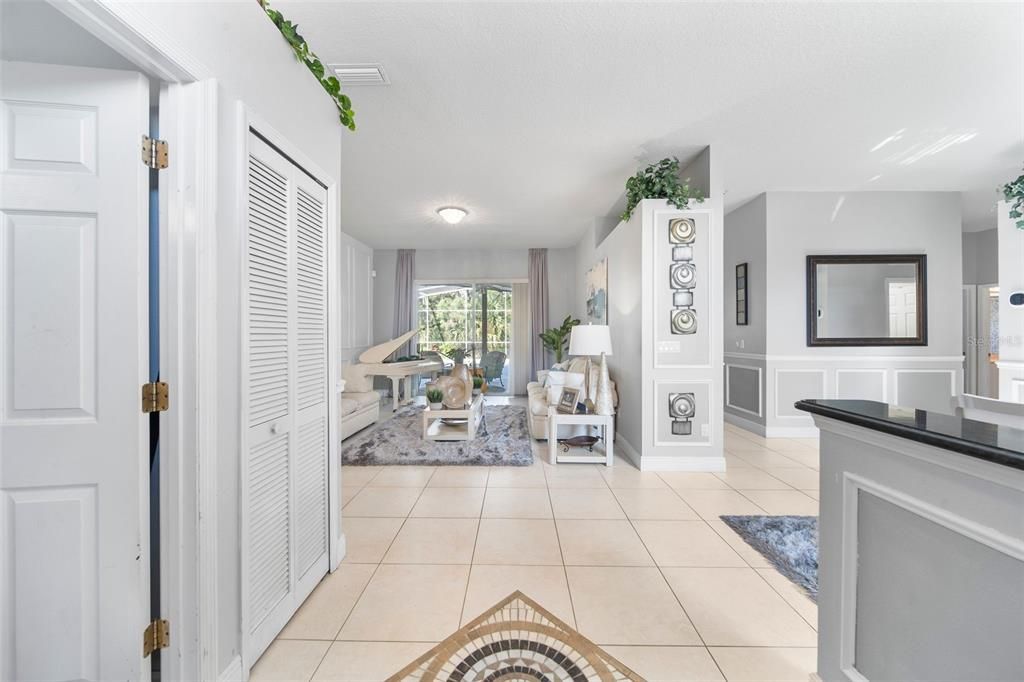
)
(436, 406)
(604, 404)
(476, 391)
(461, 372)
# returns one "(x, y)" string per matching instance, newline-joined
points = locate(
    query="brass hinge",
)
(155, 397)
(157, 635)
(154, 153)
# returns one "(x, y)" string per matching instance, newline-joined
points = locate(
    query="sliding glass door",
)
(470, 323)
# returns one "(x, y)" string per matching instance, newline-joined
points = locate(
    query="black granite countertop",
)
(991, 442)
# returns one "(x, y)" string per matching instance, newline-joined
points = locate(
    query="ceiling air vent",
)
(361, 74)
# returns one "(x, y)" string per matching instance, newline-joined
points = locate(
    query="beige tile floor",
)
(638, 562)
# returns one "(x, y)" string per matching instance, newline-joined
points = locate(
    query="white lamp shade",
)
(590, 339)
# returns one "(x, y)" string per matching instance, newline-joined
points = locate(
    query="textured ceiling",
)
(532, 115)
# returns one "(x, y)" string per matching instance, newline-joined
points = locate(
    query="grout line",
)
(363, 591)
(673, 592)
(561, 553)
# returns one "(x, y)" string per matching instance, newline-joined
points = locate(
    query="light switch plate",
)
(704, 430)
(668, 346)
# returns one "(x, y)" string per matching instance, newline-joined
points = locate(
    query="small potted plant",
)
(478, 384)
(435, 398)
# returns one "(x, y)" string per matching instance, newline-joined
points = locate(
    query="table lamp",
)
(589, 340)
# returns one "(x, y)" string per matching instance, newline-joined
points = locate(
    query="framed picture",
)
(741, 295)
(567, 403)
(597, 293)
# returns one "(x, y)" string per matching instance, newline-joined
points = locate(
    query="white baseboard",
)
(232, 673)
(745, 424)
(669, 463)
(791, 432)
(625, 448)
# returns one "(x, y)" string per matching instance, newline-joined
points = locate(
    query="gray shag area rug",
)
(789, 543)
(503, 439)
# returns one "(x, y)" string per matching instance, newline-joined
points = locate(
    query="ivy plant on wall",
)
(1013, 192)
(660, 181)
(305, 55)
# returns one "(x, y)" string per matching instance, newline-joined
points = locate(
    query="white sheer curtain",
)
(520, 338)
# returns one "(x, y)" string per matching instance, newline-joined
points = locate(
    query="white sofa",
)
(359, 404)
(537, 394)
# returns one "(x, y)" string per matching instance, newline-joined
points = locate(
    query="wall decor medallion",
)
(682, 233)
(741, 295)
(682, 408)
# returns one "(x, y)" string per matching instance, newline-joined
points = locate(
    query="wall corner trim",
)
(232, 673)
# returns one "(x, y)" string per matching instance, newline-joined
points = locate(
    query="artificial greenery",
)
(660, 181)
(1013, 192)
(556, 339)
(305, 55)
(434, 395)
(478, 382)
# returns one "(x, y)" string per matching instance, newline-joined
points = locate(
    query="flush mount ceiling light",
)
(452, 215)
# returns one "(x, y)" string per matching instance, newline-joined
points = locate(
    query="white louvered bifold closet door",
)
(285, 497)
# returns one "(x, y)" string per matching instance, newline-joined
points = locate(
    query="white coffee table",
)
(435, 429)
(607, 424)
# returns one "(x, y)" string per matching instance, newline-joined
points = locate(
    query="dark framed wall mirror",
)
(867, 300)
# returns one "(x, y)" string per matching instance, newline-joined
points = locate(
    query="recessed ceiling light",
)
(452, 215)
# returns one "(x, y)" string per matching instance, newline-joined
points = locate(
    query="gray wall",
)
(803, 223)
(775, 233)
(622, 248)
(450, 265)
(981, 257)
(746, 242)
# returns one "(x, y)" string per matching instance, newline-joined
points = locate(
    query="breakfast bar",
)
(921, 545)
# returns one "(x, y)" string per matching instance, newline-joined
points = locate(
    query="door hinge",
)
(157, 635)
(154, 153)
(155, 397)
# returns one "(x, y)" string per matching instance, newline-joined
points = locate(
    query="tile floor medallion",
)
(516, 639)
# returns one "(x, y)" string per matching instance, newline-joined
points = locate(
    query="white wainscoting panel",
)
(862, 384)
(743, 389)
(911, 381)
(926, 389)
(792, 385)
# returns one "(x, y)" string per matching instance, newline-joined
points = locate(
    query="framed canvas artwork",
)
(597, 293)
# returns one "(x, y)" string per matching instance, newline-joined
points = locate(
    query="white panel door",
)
(286, 468)
(74, 575)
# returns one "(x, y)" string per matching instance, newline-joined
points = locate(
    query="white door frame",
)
(188, 325)
(336, 540)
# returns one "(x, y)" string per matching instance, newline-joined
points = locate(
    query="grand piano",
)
(375, 362)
